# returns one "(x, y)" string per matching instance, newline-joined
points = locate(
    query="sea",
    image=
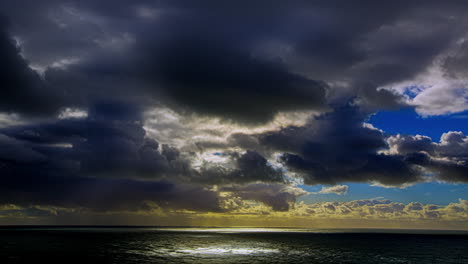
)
(229, 245)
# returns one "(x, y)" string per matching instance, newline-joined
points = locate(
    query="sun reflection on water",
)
(227, 250)
(236, 230)
(204, 243)
(219, 250)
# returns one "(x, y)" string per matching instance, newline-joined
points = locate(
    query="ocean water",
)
(229, 245)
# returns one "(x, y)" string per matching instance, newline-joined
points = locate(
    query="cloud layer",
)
(129, 105)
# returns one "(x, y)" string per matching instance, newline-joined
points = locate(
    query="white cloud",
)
(72, 113)
(434, 93)
(337, 189)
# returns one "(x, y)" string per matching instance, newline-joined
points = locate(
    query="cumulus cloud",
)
(104, 161)
(358, 213)
(246, 168)
(337, 189)
(109, 141)
(434, 91)
(338, 147)
(446, 158)
(279, 197)
(370, 209)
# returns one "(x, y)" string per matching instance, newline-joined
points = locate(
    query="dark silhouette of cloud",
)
(337, 147)
(249, 167)
(105, 162)
(446, 158)
(22, 89)
(228, 62)
(279, 197)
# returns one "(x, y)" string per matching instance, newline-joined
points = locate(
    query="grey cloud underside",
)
(111, 142)
(105, 194)
(228, 62)
(448, 158)
(105, 162)
(250, 167)
(97, 163)
(279, 197)
(338, 147)
(231, 84)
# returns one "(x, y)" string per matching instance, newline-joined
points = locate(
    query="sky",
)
(333, 114)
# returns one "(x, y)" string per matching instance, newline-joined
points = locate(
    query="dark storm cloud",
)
(235, 61)
(249, 167)
(337, 147)
(279, 197)
(330, 148)
(105, 162)
(104, 194)
(377, 168)
(453, 145)
(198, 65)
(456, 63)
(410, 144)
(212, 69)
(22, 90)
(447, 159)
(58, 164)
(452, 171)
(189, 63)
(109, 142)
(37, 171)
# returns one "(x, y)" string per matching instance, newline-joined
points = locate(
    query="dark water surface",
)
(183, 245)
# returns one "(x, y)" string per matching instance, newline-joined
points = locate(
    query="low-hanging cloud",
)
(337, 189)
